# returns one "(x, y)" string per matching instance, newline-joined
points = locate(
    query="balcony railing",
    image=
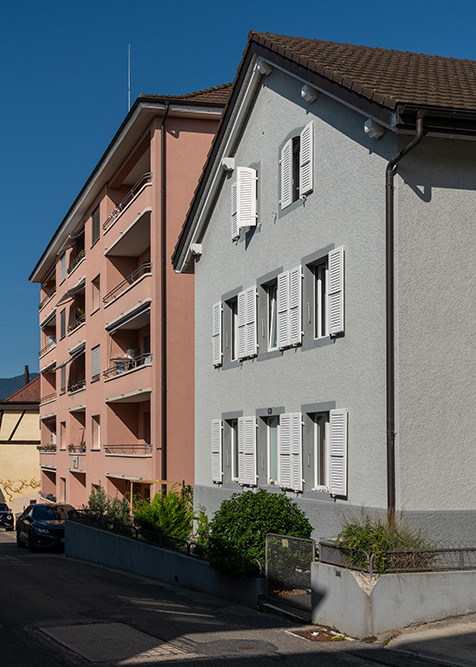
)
(77, 449)
(77, 323)
(127, 450)
(48, 397)
(145, 178)
(44, 301)
(76, 386)
(130, 280)
(121, 365)
(50, 345)
(80, 256)
(47, 449)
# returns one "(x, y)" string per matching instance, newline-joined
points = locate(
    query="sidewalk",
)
(452, 641)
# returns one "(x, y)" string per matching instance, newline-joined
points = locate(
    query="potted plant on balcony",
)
(71, 447)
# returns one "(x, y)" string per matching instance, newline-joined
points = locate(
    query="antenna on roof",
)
(129, 79)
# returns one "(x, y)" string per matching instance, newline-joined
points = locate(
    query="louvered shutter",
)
(96, 362)
(251, 339)
(306, 160)
(242, 349)
(296, 451)
(63, 267)
(246, 197)
(338, 452)
(247, 451)
(217, 461)
(283, 309)
(235, 232)
(336, 291)
(295, 309)
(286, 166)
(285, 471)
(216, 334)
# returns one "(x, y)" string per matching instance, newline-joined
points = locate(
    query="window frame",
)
(95, 224)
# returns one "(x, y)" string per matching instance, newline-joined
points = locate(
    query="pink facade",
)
(110, 345)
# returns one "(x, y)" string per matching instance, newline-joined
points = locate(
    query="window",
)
(62, 442)
(217, 451)
(290, 451)
(95, 294)
(325, 452)
(247, 458)
(63, 379)
(316, 456)
(231, 329)
(296, 166)
(63, 323)
(95, 363)
(325, 295)
(289, 307)
(246, 330)
(240, 328)
(233, 430)
(319, 299)
(95, 226)
(271, 291)
(272, 424)
(244, 209)
(96, 431)
(63, 267)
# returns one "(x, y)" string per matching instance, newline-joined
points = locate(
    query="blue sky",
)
(64, 94)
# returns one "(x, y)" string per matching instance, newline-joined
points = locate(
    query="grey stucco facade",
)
(435, 386)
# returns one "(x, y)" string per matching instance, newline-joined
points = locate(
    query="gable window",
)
(95, 226)
(296, 167)
(244, 209)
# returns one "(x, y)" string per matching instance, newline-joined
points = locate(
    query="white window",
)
(317, 458)
(217, 451)
(247, 338)
(95, 363)
(216, 334)
(244, 201)
(319, 299)
(325, 302)
(296, 166)
(289, 308)
(63, 267)
(272, 447)
(247, 458)
(290, 451)
(336, 291)
(338, 452)
(233, 429)
(96, 431)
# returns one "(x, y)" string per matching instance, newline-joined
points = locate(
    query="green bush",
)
(237, 540)
(375, 534)
(103, 506)
(168, 513)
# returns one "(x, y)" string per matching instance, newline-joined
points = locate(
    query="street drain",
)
(108, 642)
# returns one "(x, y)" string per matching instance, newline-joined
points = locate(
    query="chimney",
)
(27, 375)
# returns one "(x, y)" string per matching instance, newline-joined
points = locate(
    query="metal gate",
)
(288, 571)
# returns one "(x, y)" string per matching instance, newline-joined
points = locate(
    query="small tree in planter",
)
(237, 541)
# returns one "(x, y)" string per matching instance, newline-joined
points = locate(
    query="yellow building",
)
(19, 441)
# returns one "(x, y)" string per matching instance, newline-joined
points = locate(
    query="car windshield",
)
(3, 507)
(45, 513)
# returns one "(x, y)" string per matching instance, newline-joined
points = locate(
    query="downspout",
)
(390, 305)
(163, 297)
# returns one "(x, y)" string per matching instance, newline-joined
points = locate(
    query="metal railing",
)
(145, 178)
(47, 449)
(49, 345)
(77, 449)
(45, 300)
(80, 256)
(188, 547)
(123, 364)
(130, 280)
(76, 386)
(48, 397)
(77, 323)
(128, 449)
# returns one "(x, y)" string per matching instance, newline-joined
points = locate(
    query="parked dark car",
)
(42, 526)
(6, 516)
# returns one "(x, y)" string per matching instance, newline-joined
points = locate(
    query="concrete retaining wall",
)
(361, 605)
(122, 553)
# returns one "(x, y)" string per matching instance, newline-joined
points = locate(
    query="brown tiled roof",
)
(30, 393)
(384, 76)
(215, 95)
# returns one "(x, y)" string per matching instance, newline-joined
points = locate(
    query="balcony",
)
(121, 365)
(77, 449)
(144, 270)
(128, 450)
(45, 300)
(76, 261)
(79, 385)
(81, 319)
(47, 399)
(50, 448)
(49, 346)
(136, 189)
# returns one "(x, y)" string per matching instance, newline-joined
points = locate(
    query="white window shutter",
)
(246, 197)
(217, 455)
(338, 452)
(242, 347)
(306, 160)
(336, 291)
(296, 451)
(295, 309)
(283, 309)
(216, 334)
(251, 338)
(247, 451)
(235, 232)
(286, 168)
(285, 435)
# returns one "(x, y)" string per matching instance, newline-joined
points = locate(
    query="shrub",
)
(168, 513)
(375, 534)
(237, 540)
(103, 506)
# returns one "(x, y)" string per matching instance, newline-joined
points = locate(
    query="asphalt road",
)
(55, 611)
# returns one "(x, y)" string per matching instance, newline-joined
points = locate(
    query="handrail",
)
(123, 364)
(48, 397)
(81, 254)
(76, 386)
(147, 177)
(130, 280)
(48, 346)
(128, 449)
(45, 300)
